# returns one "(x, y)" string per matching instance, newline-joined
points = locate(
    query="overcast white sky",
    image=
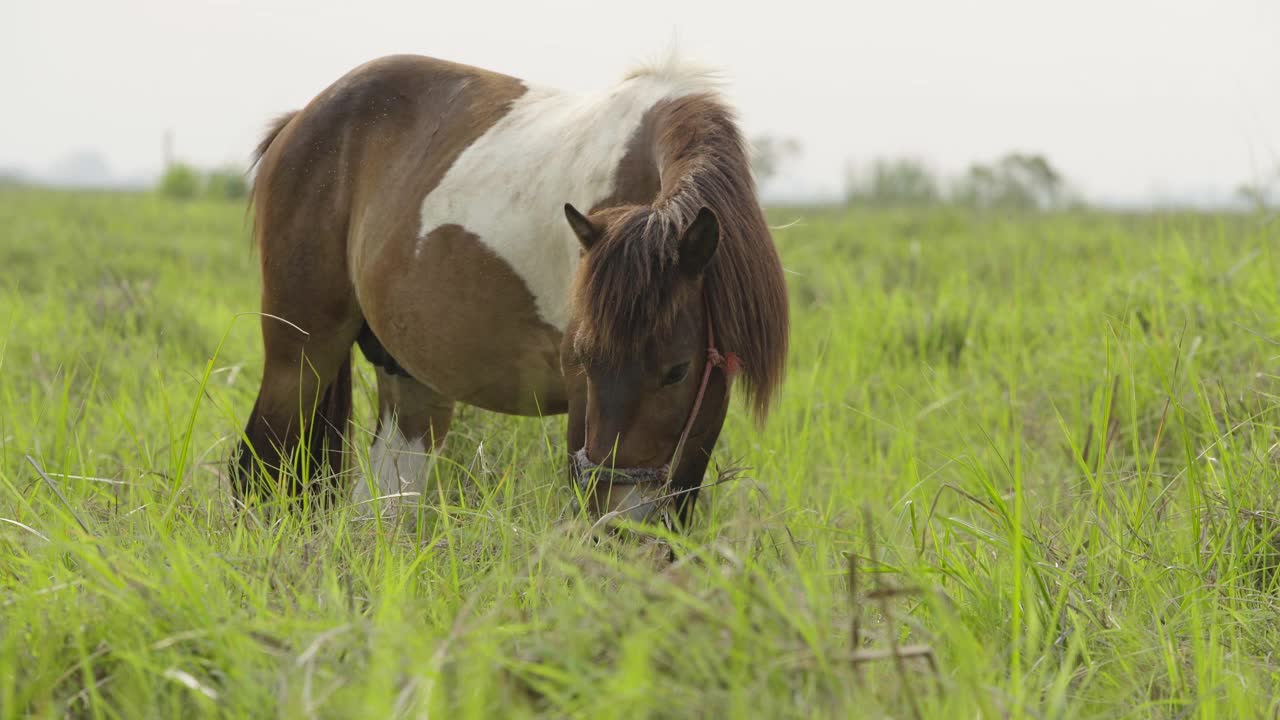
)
(1132, 99)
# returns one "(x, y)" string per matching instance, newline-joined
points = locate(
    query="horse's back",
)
(387, 125)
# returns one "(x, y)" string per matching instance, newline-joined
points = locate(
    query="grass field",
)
(1056, 435)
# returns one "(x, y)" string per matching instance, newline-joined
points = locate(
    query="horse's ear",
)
(588, 233)
(699, 243)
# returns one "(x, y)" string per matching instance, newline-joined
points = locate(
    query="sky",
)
(1135, 101)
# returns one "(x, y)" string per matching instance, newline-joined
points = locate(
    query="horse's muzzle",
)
(637, 494)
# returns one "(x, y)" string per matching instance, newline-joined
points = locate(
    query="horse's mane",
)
(630, 288)
(678, 72)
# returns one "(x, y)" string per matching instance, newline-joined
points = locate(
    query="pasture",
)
(1049, 442)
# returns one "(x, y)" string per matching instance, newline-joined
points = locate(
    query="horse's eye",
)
(676, 373)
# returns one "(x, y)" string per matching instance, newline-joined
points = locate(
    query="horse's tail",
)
(277, 126)
(273, 130)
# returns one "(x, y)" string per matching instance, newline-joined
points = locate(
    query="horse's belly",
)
(517, 388)
(457, 318)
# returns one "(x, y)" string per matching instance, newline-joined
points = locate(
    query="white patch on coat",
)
(509, 187)
(397, 466)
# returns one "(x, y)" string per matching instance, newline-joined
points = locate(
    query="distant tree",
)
(1035, 175)
(987, 186)
(903, 182)
(81, 169)
(1263, 194)
(1255, 196)
(897, 182)
(976, 188)
(226, 184)
(769, 154)
(180, 182)
(1017, 181)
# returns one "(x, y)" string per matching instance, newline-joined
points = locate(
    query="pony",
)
(516, 248)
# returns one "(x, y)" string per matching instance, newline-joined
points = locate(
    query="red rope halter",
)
(727, 362)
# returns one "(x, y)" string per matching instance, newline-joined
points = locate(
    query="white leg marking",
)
(398, 466)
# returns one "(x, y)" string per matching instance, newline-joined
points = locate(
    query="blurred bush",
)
(1016, 181)
(184, 182)
(227, 184)
(180, 182)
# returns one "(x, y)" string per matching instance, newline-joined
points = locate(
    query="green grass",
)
(1062, 428)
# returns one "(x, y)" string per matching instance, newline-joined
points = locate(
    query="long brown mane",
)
(630, 288)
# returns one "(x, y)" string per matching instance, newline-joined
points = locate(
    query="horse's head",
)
(645, 405)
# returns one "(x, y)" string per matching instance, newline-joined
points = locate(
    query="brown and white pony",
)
(428, 212)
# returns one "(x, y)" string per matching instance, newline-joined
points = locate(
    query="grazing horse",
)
(519, 249)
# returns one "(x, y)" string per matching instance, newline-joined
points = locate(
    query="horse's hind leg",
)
(413, 420)
(296, 432)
